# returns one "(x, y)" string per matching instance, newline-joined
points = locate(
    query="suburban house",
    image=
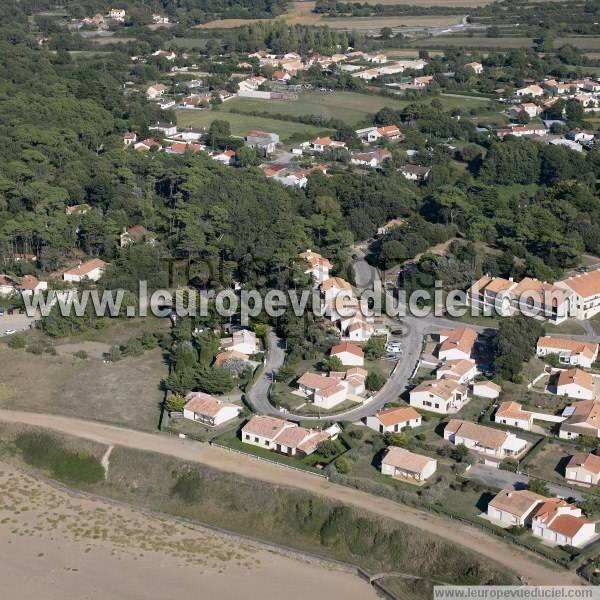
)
(373, 159)
(514, 508)
(285, 437)
(243, 341)
(439, 395)
(156, 90)
(530, 129)
(226, 157)
(356, 328)
(263, 141)
(7, 286)
(575, 383)
(129, 138)
(581, 418)
(209, 410)
(561, 523)
(165, 128)
(462, 370)
(394, 420)
(147, 145)
(490, 293)
(323, 144)
(333, 286)
(403, 464)
(529, 108)
(349, 354)
(136, 234)
(117, 13)
(390, 132)
(476, 67)
(486, 389)
(486, 440)
(318, 266)
(390, 226)
(368, 134)
(531, 90)
(77, 209)
(416, 173)
(512, 413)
(30, 285)
(281, 76)
(456, 343)
(583, 468)
(569, 352)
(92, 270)
(328, 391)
(586, 287)
(222, 357)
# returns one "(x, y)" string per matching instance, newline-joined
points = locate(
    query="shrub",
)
(175, 403)
(16, 342)
(82, 354)
(35, 348)
(51, 350)
(342, 465)
(188, 487)
(374, 381)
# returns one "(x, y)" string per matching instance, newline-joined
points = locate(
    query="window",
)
(247, 436)
(256, 440)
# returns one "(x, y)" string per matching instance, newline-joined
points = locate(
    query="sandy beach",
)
(57, 546)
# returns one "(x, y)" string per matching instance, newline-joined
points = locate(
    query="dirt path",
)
(532, 569)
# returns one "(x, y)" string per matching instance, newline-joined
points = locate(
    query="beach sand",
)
(54, 545)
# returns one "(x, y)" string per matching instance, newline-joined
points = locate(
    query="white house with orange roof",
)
(514, 508)
(333, 286)
(575, 383)
(208, 410)
(329, 391)
(318, 266)
(512, 413)
(583, 467)
(476, 67)
(443, 396)
(486, 389)
(409, 466)
(560, 523)
(92, 270)
(456, 343)
(322, 144)
(350, 354)
(394, 420)
(569, 352)
(586, 289)
(531, 90)
(285, 437)
(462, 370)
(390, 132)
(30, 285)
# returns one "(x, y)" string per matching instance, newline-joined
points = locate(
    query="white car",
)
(9, 332)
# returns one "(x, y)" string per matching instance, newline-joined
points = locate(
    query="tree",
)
(343, 466)
(374, 348)
(375, 381)
(395, 439)
(114, 354)
(539, 487)
(459, 453)
(175, 403)
(328, 449)
(214, 380)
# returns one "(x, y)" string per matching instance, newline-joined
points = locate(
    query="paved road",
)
(15, 322)
(531, 568)
(508, 480)
(258, 395)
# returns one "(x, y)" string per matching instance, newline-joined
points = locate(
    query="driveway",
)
(516, 481)
(16, 322)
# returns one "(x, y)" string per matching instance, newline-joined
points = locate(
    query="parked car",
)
(9, 332)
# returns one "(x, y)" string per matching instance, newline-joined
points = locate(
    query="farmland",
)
(582, 42)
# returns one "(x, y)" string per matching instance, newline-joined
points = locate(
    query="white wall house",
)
(350, 354)
(443, 396)
(512, 414)
(560, 523)
(583, 468)
(569, 352)
(514, 507)
(243, 341)
(575, 383)
(208, 410)
(92, 270)
(394, 420)
(402, 464)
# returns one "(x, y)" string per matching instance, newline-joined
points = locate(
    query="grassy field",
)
(242, 124)
(350, 107)
(583, 42)
(124, 393)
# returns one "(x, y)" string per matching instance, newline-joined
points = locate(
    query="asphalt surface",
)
(516, 481)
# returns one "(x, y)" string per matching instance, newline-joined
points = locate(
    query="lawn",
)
(125, 393)
(242, 124)
(549, 463)
(350, 107)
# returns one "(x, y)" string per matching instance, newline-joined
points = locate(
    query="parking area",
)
(11, 324)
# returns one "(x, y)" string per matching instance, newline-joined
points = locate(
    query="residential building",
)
(223, 357)
(416, 173)
(243, 341)
(349, 354)
(544, 299)
(373, 159)
(147, 145)
(528, 130)
(488, 441)
(394, 420)
(512, 413)
(263, 141)
(476, 67)
(118, 14)
(586, 289)
(402, 464)
(328, 392)
(333, 286)
(581, 418)
(514, 508)
(558, 522)
(30, 285)
(490, 293)
(251, 84)
(281, 75)
(156, 90)
(368, 134)
(208, 410)
(569, 352)
(530, 109)
(439, 395)
(462, 370)
(486, 389)
(389, 226)
(165, 54)
(357, 329)
(531, 90)
(129, 138)
(227, 157)
(135, 235)
(285, 437)
(318, 266)
(7, 286)
(322, 144)
(390, 132)
(91, 270)
(575, 383)
(160, 19)
(581, 135)
(167, 129)
(583, 467)
(456, 343)
(77, 209)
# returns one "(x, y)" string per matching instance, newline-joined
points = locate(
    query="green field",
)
(242, 124)
(583, 42)
(350, 107)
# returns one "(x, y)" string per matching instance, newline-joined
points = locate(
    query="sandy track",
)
(532, 569)
(57, 546)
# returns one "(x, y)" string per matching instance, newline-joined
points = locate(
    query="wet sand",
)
(57, 546)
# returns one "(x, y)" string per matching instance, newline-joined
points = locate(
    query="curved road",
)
(532, 569)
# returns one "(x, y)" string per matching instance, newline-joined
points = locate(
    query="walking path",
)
(531, 568)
